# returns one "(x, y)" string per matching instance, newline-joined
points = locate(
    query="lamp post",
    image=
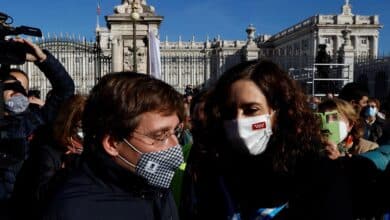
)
(134, 16)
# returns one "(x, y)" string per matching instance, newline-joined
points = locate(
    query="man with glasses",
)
(131, 152)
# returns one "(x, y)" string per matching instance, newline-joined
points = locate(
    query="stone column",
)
(374, 47)
(208, 66)
(117, 55)
(315, 46)
(348, 56)
(179, 72)
(335, 48)
(250, 50)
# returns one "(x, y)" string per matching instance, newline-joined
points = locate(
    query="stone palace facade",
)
(196, 63)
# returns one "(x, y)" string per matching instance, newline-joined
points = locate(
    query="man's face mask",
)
(17, 103)
(313, 106)
(159, 167)
(371, 111)
(333, 126)
(252, 133)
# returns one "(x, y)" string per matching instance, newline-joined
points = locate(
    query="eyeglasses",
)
(161, 138)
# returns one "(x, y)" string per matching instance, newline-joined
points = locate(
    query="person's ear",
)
(110, 145)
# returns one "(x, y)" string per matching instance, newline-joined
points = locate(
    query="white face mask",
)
(343, 131)
(253, 132)
(335, 128)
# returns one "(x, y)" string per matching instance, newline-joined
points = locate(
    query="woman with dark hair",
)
(373, 120)
(67, 129)
(52, 159)
(263, 156)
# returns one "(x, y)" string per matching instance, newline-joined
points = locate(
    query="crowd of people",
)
(251, 146)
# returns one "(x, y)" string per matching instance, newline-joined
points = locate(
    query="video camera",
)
(14, 52)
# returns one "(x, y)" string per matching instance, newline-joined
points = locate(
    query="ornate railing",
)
(82, 59)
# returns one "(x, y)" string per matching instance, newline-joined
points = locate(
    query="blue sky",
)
(227, 18)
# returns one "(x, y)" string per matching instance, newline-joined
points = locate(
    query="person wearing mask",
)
(131, 152)
(19, 124)
(373, 125)
(263, 157)
(313, 103)
(344, 127)
(362, 161)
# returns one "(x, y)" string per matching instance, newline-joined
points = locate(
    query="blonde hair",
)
(347, 110)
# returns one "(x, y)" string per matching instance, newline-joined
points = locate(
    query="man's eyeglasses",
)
(160, 138)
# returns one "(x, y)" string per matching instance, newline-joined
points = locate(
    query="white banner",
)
(154, 55)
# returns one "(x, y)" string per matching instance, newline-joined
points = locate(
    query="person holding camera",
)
(19, 125)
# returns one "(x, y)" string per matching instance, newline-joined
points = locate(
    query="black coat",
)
(103, 190)
(385, 139)
(316, 190)
(40, 175)
(373, 132)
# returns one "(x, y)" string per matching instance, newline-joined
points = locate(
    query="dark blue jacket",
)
(18, 130)
(102, 189)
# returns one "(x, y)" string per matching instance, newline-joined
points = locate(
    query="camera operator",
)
(20, 124)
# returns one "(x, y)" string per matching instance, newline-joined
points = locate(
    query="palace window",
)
(289, 50)
(281, 52)
(364, 41)
(296, 48)
(305, 44)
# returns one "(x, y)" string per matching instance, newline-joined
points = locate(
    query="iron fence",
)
(82, 59)
(86, 64)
